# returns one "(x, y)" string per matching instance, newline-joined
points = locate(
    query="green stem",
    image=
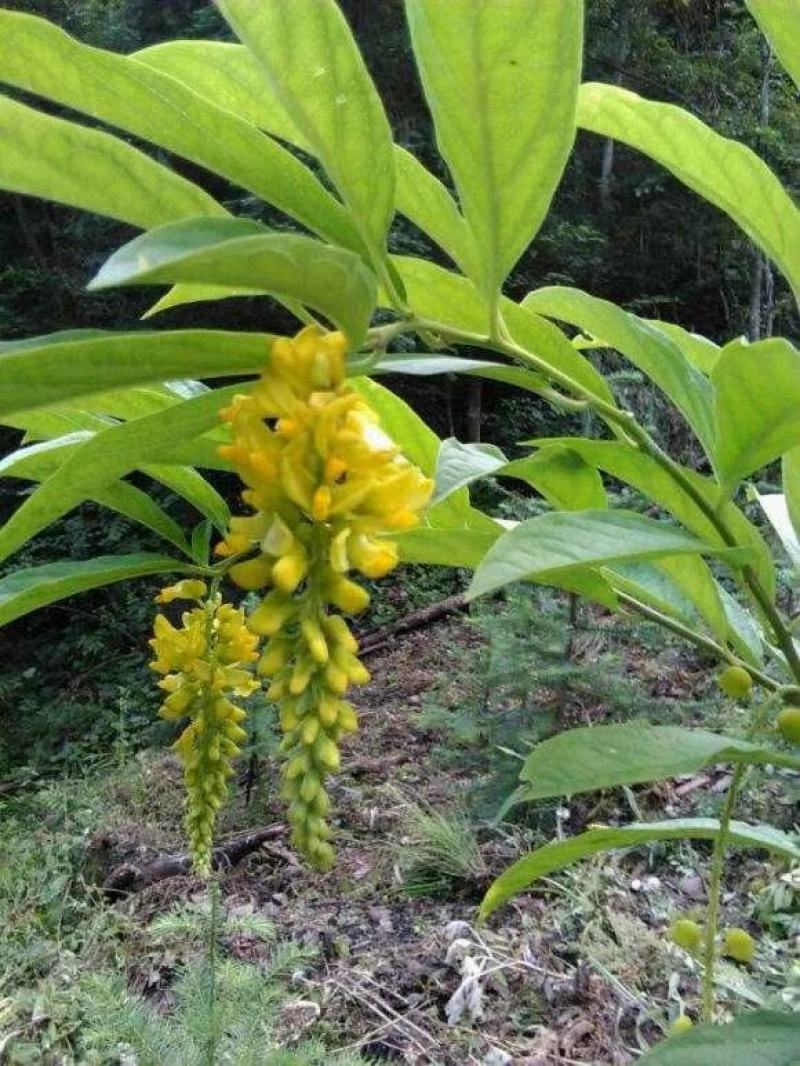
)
(715, 893)
(210, 1049)
(700, 640)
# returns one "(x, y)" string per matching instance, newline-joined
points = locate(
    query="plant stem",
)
(698, 639)
(210, 1049)
(715, 893)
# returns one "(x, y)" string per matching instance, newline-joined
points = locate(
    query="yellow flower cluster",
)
(202, 663)
(326, 485)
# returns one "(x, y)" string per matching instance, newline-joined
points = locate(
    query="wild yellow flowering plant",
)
(203, 663)
(327, 488)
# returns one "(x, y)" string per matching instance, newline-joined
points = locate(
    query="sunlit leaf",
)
(478, 59)
(722, 171)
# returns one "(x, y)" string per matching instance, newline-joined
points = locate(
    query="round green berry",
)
(686, 933)
(682, 1024)
(739, 945)
(789, 724)
(736, 682)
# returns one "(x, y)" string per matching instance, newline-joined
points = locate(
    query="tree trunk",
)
(607, 164)
(474, 410)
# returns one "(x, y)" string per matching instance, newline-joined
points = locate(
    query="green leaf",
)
(453, 301)
(314, 68)
(460, 464)
(37, 56)
(238, 252)
(138, 507)
(699, 350)
(647, 348)
(607, 756)
(38, 461)
(722, 171)
(424, 365)
(423, 199)
(57, 160)
(791, 485)
(551, 544)
(559, 474)
(682, 587)
(229, 75)
(107, 456)
(773, 505)
(642, 472)
(191, 486)
(756, 406)
(477, 60)
(561, 853)
(62, 366)
(780, 23)
(24, 591)
(765, 1038)
(436, 546)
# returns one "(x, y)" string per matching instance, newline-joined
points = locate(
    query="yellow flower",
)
(202, 663)
(326, 484)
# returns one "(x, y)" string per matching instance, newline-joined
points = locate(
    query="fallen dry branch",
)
(134, 876)
(378, 639)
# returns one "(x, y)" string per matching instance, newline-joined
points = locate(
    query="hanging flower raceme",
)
(203, 666)
(327, 488)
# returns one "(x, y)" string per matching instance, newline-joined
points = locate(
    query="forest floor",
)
(393, 965)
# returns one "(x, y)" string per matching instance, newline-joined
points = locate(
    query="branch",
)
(133, 877)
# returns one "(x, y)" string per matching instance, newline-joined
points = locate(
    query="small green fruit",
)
(682, 1024)
(736, 682)
(739, 945)
(789, 724)
(686, 934)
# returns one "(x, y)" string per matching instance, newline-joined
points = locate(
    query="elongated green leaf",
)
(766, 1038)
(561, 853)
(551, 544)
(49, 370)
(193, 487)
(700, 351)
(436, 546)
(423, 199)
(756, 406)
(40, 58)
(314, 68)
(774, 507)
(38, 461)
(429, 365)
(478, 59)
(452, 300)
(647, 348)
(791, 486)
(229, 75)
(58, 160)
(607, 756)
(27, 590)
(724, 172)
(106, 457)
(138, 507)
(559, 474)
(780, 22)
(642, 472)
(237, 252)
(682, 587)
